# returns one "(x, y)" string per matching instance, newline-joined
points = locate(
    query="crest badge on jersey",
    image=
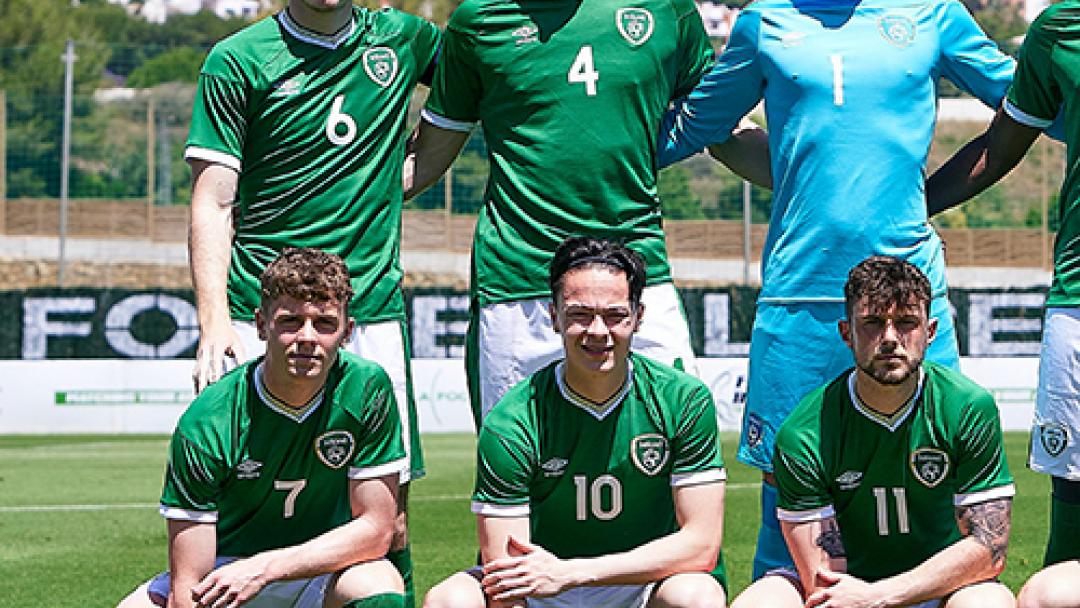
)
(635, 25)
(1054, 438)
(335, 448)
(930, 466)
(381, 65)
(649, 453)
(897, 29)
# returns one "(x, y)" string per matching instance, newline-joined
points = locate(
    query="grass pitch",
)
(79, 523)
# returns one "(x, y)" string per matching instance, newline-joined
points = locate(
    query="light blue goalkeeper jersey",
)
(850, 100)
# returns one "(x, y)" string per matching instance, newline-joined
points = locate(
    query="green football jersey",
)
(891, 482)
(270, 477)
(570, 97)
(315, 125)
(1047, 80)
(596, 479)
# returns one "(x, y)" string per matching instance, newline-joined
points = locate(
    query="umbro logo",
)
(288, 87)
(525, 34)
(849, 480)
(248, 469)
(554, 467)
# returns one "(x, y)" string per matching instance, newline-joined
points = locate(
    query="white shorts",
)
(1054, 446)
(300, 593)
(516, 339)
(378, 342)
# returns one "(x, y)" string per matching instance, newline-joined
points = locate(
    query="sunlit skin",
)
(888, 345)
(324, 16)
(594, 316)
(302, 341)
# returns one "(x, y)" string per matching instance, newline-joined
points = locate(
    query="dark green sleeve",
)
(457, 86)
(695, 52)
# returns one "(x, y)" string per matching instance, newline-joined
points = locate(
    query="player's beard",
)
(891, 376)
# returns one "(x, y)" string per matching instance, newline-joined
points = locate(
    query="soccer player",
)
(297, 138)
(280, 487)
(1046, 77)
(893, 485)
(569, 96)
(599, 478)
(850, 101)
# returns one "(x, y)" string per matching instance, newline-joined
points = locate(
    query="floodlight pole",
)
(65, 155)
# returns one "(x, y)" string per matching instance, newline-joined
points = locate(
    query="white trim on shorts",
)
(1056, 425)
(299, 593)
(522, 339)
(379, 342)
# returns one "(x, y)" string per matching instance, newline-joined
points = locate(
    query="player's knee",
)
(363, 580)
(694, 590)
(770, 592)
(990, 594)
(1051, 589)
(142, 598)
(459, 591)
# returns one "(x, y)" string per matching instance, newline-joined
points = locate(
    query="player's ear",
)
(260, 323)
(844, 326)
(349, 327)
(931, 329)
(554, 317)
(640, 310)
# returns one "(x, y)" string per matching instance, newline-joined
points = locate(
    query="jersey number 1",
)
(583, 70)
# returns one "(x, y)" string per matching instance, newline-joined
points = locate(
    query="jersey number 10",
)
(590, 497)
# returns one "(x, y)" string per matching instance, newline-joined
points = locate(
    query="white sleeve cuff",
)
(446, 123)
(199, 517)
(212, 156)
(390, 468)
(488, 509)
(1024, 118)
(801, 517)
(974, 498)
(680, 480)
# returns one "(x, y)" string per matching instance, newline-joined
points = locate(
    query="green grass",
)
(79, 525)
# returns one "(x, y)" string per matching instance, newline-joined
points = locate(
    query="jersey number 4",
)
(881, 497)
(583, 70)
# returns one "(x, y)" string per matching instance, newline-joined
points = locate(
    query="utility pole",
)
(65, 156)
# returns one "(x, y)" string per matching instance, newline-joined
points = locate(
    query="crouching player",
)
(280, 487)
(599, 477)
(893, 485)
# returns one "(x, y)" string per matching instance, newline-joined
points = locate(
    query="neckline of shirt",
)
(890, 422)
(598, 410)
(296, 414)
(303, 34)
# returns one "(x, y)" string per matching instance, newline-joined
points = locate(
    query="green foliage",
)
(676, 197)
(180, 64)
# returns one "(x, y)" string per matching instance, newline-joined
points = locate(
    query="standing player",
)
(280, 489)
(1046, 79)
(569, 96)
(850, 101)
(297, 138)
(894, 490)
(599, 478)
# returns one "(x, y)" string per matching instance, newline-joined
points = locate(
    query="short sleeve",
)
(1035, 97)
(802, 486)
(982, 472)
(380, 450)
(505, 463)
(193, 480)
(696, 444)
(453, 102)
(425, 49)
(695, 52)
(970, 59)
(218, 116)
(725, 94)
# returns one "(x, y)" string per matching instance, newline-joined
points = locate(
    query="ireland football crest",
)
(897, 29)
(1053, 437)
(649, 453)
(335, 448)
(381, 65)
(635, 24)
(930, 466)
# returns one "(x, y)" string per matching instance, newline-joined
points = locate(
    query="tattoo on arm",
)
(988, 523)
(830, 540)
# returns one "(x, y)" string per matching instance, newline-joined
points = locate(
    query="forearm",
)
(358, 541)
(961, 564)
(746, 153)
(430, 153)
(965, 175)
(679, 552)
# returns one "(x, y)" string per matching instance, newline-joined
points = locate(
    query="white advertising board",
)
(144, 396)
